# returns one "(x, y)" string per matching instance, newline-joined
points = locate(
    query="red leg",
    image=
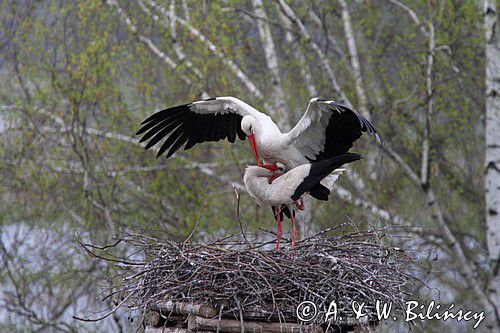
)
(294, 231)
(280, 231)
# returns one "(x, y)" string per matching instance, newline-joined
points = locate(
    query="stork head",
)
(277, 167)
(280, 168)
(249, 126)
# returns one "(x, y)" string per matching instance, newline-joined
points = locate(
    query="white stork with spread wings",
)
(326, 130)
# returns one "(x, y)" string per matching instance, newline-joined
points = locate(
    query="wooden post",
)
(196, 323)
(170, 330)
(204, 310)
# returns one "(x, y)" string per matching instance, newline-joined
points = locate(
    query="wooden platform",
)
(170, 317)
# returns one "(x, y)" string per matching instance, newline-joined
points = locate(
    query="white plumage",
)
(281, 190)
(284, 191)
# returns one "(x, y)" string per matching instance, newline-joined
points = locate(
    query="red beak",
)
(251, 138)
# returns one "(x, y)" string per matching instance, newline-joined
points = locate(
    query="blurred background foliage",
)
(79, 76)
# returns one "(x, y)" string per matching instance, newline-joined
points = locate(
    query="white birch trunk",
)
(277, 93)
(354, 59)
(147, 41)
(492, 172)
(297, 52)
(426, 144)
(358, 80)
(177, 48)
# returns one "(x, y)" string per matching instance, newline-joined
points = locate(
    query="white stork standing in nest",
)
(326, 130)
(285, 190)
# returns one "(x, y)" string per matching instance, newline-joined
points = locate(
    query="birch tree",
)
(492, 171)
(277, 94)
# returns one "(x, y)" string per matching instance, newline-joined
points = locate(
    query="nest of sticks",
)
(241, 280)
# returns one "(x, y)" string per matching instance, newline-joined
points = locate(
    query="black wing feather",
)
(320, 192)
(196, 135)
(172, 139)
(209, 132)
(181, 125)
(320, 170)
(345, 126)
(160, 126)
(161, 132)
(240, 133)
(219, 131)
(148, 126)
(232, 130)
(177, 144)
(162, 114)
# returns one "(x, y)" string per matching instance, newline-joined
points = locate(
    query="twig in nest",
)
(220, 318)
(196, 225)
(237, 193)
(241, 314)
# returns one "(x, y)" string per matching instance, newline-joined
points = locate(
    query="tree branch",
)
(354, 59)
(465, 267)
(411, 14)
(316, 49)
(331, 39)
(424, 171)
(185, 9)
(347, 196)
(171, 24)
(277, 94)
(304, 68)
(145, 40)
(242, 77)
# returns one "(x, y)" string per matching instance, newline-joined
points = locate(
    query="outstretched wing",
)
(328, 129)
(212, 119)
